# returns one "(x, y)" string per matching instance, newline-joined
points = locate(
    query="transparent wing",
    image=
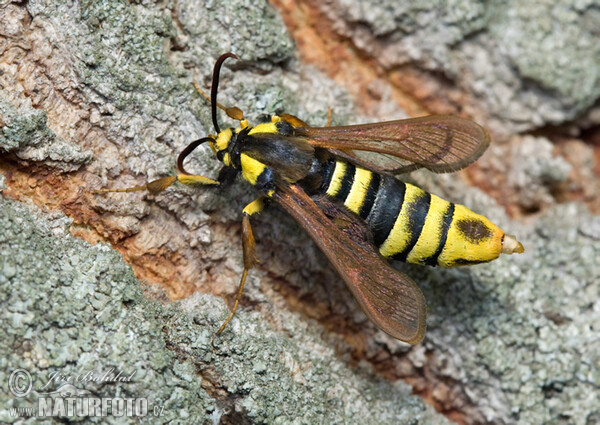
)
(389, 298)
(440, 143)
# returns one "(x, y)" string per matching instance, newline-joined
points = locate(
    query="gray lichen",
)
(529, 62)
(524, 330)
(25, 133)
(514, 341)
(72, 308)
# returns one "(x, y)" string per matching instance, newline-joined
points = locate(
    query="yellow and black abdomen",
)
(409, 224)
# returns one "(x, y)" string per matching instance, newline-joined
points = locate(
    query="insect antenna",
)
(215, 86)
(188, 150)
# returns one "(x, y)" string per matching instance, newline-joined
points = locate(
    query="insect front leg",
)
(249, 251)
(157, 186)
(154, 187)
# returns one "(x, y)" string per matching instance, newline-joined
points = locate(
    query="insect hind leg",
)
(249, 252)
(297, 122)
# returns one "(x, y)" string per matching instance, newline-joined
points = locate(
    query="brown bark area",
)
(155, 235)
(38, 70)
(321, 42)
(328, 43)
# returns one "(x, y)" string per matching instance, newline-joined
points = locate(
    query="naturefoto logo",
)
(72, 400)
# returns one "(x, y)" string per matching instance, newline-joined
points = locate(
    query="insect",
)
(339, 184)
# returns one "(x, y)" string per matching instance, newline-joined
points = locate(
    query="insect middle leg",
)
(249, 252)
(232, 112)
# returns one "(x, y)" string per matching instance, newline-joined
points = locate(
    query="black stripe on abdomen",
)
(386, 207)
(341, 180)
(346, 182)
(370, 196)
(444, 227)
(417, 214)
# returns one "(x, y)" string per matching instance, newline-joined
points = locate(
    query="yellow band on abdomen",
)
(356, 198)
(431, 237)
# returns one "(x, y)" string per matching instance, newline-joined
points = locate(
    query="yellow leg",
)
(297, 122)
(157, 186)
(293, 120)
(154, 187)
(192, 180)
(248, 248)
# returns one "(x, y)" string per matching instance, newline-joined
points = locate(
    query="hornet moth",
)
(351, 204)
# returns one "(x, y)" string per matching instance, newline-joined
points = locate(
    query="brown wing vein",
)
(440, 143)
(389, 298)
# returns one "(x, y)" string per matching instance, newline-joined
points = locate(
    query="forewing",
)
(389, 298)
(440, 143)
